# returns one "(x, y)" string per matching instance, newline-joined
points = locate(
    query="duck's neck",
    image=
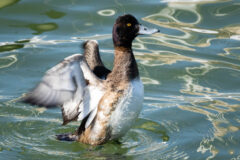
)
(125, 66)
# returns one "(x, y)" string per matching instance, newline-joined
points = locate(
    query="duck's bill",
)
(145, 30)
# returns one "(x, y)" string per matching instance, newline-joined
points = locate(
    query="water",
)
(191, 75)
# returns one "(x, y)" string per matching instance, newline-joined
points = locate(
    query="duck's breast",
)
(127, 109)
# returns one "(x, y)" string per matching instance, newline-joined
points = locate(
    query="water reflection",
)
(147, 80)
(55, 14)
(158, 58)
(186, 34)
(5, 3)
(190, 71)
(231, 52)
(149, 139)
(232, 31)
(169, 18)
(10, 47)
(44, 27)
(94, 37)
(227, 10)
(7, 61)
(106, 12)
(214, 105)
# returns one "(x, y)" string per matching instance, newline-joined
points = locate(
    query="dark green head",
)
(126, 28)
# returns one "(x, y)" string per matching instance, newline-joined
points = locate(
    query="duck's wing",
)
(92, 56)
(67, 85)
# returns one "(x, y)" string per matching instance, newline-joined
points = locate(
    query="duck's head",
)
(126, 28)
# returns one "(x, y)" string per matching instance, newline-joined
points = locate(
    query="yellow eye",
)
(129, 24)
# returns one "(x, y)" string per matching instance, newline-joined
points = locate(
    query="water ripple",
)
(7, 61)
(190, 71)
(106, 12)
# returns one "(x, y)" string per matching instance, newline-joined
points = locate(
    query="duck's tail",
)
(67, 137)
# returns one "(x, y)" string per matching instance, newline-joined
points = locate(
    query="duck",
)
(107, 103)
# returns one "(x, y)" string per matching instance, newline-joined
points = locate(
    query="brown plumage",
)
(106, 102)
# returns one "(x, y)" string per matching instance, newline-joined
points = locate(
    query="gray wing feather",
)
(65, 85)
(59, 84)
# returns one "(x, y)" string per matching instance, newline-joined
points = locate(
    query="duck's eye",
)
(129, 24)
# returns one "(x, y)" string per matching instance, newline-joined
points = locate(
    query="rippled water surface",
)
(190, 71)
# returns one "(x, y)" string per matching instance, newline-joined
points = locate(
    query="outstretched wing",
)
(59, 84)
(92, 56)
(65, 84)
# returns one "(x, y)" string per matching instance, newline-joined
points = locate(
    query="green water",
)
(190, 71)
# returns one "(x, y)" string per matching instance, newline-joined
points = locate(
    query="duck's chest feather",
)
(116, 113)
(127, 109)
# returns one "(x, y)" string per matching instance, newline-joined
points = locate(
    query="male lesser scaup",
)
(106, 102)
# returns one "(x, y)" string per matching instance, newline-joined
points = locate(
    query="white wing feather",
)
(65, 85)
